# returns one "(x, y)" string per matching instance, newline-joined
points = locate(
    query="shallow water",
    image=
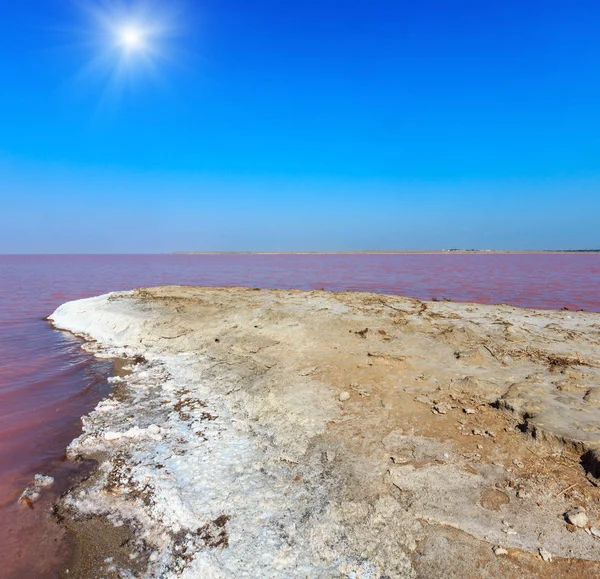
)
(47, 382)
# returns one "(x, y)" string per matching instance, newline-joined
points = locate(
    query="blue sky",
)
(278, 125)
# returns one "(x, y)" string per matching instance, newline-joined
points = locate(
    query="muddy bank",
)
(313, 434)
(33, 518)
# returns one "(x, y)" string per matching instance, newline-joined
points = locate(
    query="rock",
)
(154, 429)
(43, 481)
(518, 463)
(577, 517)
(545, 555)
(439, 409)
(468, 410)
(344, 396)
(422, 399)
(499, 551)
(595, 531)
(112, 435)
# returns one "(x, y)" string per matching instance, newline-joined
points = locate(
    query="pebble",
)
(344, 396)
(594, 531)
(577, 517)
(422, 399)
(43, 481)
(439, 409)
(518, 463)
(545, 555)
(499, 551)
(468, 410)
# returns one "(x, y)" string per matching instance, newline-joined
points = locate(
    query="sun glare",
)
(129, 42)
(131, 38)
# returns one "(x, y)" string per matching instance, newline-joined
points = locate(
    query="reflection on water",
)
(47, 382)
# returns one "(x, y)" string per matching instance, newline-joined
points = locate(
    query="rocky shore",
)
(286, 434)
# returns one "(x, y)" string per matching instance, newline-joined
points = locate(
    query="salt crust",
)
(217, 468)
(177, 460)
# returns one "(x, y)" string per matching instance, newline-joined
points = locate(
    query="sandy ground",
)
(316, 434)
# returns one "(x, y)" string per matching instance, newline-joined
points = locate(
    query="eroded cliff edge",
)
(314, 434)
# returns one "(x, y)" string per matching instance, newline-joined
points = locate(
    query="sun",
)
(126, 44)
(131, 38)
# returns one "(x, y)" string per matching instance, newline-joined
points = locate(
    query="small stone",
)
(439, 409)
(545, 555)
(577, 517)
(480, 446)
(330, 455)
(344, 396)
(469, 410)
(154, 429)
(43, 481)
(518, 463)
(499, 551)
(595, 531)
(112, 435)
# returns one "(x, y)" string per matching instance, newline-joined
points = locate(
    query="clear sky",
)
(299, 125)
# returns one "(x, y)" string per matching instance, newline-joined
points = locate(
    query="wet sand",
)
(304, 434)
(37, 525)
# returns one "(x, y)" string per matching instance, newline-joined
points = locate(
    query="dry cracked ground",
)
(375, 436)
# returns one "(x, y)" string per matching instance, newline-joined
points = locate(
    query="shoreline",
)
(403, 252)
(94, 540)
(210, 378)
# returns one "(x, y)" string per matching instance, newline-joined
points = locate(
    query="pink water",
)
(47, 382)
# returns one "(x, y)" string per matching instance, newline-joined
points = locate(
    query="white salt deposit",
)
(204, 479)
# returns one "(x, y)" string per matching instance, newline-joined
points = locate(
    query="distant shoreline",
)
(398, 252)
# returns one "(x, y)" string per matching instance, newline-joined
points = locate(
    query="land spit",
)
(313, 434)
